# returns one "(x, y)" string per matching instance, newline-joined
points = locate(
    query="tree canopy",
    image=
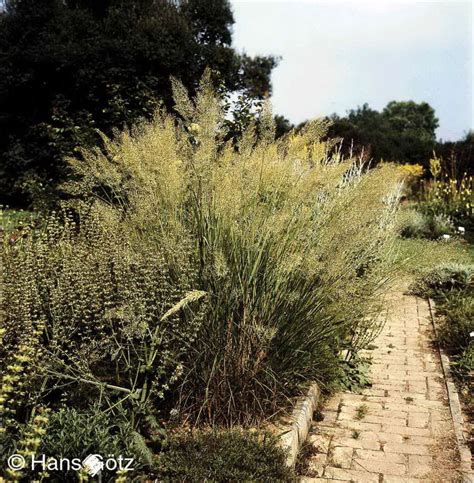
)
(71, 67)
(404, 131)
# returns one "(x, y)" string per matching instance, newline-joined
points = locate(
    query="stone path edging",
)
(454, 407)
(295, 435)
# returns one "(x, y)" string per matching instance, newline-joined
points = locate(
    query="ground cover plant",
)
(224, 456)
(192, 279)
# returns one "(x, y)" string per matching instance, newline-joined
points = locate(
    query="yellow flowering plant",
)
(447, 193)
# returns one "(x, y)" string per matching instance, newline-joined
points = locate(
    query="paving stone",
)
(320, 442)
(419, 466)
(378, 466)
(357, 443)
(329, 418)
(400, 479)
(420, 440)
(319, 480)
(402, 448)
(390, 438)
(332, 404)
(390, 386)
(406, 431)
(317, 464)
(367, 454)
(417, 387)
(374, 392)
(405, 406)
(350, 475)
(359, 425)
(377, 416)
(390, 413)
(341, 456)
(418, 420)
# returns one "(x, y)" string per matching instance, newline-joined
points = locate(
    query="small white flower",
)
(461, 229)
(446, 237)
(472, 334)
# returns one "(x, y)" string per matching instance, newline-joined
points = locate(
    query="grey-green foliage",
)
(73, 433)
(415, 224)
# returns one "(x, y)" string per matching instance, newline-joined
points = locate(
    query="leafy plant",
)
(119, 341)
(76, 434)
(457, 311)
(356, 374)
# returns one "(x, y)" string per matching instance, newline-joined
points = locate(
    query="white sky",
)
(337, 55)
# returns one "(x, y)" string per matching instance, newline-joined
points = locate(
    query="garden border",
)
(297, 431)
(454, 406)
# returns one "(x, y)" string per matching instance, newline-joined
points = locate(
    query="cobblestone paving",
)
(399, 430)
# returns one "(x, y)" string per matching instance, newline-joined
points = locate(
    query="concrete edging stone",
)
(296, 433)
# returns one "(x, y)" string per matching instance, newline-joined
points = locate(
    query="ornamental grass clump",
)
(277, 250)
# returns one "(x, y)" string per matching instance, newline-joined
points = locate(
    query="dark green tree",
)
(458, 156)
(402, 132)
(282, 126)
(412, 135)
(362, 129)
(71, 67)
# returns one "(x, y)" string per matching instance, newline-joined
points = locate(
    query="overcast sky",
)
(337, 55)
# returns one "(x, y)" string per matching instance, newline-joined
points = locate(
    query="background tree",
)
(403, 131)
(458, 156)
(282, 125)
(71, 67)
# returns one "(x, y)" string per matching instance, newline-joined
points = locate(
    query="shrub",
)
(416, 224)
(443, 278)
(224, 456)
(413, 224)
(412, 174)
(440, 225)
(76, 434)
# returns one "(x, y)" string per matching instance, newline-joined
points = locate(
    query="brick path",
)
(399, 430)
